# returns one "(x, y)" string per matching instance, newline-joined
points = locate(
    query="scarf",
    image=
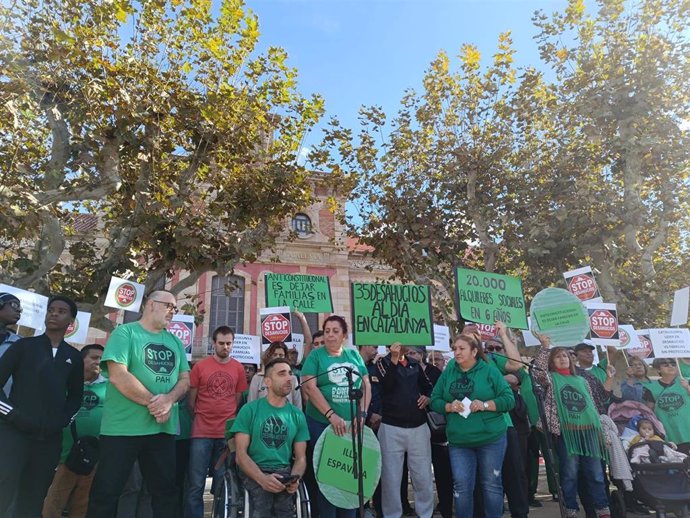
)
(580, 424)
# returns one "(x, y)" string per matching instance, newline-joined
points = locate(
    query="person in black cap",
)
(10, 311)
(46, 394)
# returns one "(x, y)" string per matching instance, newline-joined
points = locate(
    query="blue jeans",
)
(203, 454)
(326, 509)
(464, 463)
(592, 476)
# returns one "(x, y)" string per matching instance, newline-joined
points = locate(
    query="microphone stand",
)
(549, 452)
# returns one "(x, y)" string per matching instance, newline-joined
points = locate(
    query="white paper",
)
(466, 405)
(670, 343)
(34, 306)
(184, 328)
(124, 294)
(633, 341)
(441, 339)
(78, 332)
(247, 349)
(681, 300)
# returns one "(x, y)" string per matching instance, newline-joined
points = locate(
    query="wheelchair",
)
(231, 500)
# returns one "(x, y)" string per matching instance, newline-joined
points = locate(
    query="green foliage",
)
(156, 117)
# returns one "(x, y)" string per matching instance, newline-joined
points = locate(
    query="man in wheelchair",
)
(271, 441)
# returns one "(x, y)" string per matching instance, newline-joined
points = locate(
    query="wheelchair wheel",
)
(221, 500)
(302, 503)
(228, 502)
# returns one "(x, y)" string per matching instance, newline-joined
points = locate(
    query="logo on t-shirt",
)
(159, 359)
(220, 385)
(462, 387)
(89, 400)
(670, 401)
(274, 432)
(573, 400)
(337, 372)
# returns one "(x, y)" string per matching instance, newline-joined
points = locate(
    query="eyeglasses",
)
(16, 305)
(492, 348)
(168, 305)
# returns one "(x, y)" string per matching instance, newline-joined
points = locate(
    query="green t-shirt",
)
(672, 407)
(333, 386)
(88, 419)
(500, 363)
(599, 370)
(156, 360)
(272, 431)
(684, 369)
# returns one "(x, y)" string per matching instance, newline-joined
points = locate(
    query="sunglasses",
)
(493, 348)
(17, 306)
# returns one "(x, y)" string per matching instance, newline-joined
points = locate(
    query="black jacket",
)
(401, 387)
(46, 391)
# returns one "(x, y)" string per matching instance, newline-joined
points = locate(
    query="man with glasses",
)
(10, 311)
(148, 373)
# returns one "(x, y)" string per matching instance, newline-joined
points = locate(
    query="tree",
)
(504, 171)
(158, 119)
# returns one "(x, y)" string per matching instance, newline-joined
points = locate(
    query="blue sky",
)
(356, 52)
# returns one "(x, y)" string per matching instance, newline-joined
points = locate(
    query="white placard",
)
(34, 306)
(628, 337)
(247, 349)
(582, 284)
(603, 323)
(527, 336)
(183, 327)
(124, 294)
(78, 331)
(441, 339)
(681, 300)
(670, 343)
(298, 343)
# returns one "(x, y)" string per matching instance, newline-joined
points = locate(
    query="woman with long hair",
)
(474, 396)
(574, 422)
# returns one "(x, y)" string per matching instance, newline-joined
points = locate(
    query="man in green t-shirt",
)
(269, 433)
(149, 374)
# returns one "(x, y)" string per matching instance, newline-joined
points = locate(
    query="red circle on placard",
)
(126, 294)
(72, 328)
(182, 332)
(603, 323)
(275, 328)
(582, 286)
(645, 349)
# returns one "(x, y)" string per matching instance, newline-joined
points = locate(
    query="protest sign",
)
(582, 284)
(247, 349)
(78, 331)
(183, 327)
(561, 316)
(276, 325)
(603, 323)
(297, 343)
(333, 464)
(388, 313)
(487, 331)
(306, 293)
(487, 297)
(124, 294)
(529, 339)
(441, 339)
(670, 343)
(628, 337)
(679, 314)
(34, 306)
(644, 350)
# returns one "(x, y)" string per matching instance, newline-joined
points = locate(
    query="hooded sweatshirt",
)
(483, 382)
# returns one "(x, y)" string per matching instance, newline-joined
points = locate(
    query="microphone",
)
(350, 370)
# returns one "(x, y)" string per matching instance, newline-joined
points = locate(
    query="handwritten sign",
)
(247, 349)
(487, 297)
(670, 343)
(388, 313)
(306, 293)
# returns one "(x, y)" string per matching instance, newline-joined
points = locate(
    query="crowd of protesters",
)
(158, 429)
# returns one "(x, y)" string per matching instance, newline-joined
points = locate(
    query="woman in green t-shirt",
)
(324, 379)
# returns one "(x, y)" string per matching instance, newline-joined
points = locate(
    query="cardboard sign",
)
(183, 327)
(670, 343)
(124, 294)
(441, 339)
(34, 306)
(388, 313)
(582, 284)
(276, 325)
(561, 316)
(487, 297)
(247, 349)
(679, 314)
(333, 458)
(603, 323)
(644, 351)
(628, 337)
(306, 293)
(78, 331)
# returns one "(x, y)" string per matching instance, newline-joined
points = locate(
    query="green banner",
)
(487, 297)
(333, 467)
(306, 293)
(386, 313)
(560, 315)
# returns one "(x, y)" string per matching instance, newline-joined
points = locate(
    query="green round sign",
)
(561, 316)
(333, 467)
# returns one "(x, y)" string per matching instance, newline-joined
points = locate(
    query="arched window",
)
(301, 225)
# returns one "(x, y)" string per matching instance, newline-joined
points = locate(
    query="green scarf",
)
(580, 424)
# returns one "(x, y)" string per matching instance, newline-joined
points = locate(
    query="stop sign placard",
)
(583, 286)
(603, 323)
(275, 328)
(126, 294)
(181, 331)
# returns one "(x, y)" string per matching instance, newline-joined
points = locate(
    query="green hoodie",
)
(484, 382)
